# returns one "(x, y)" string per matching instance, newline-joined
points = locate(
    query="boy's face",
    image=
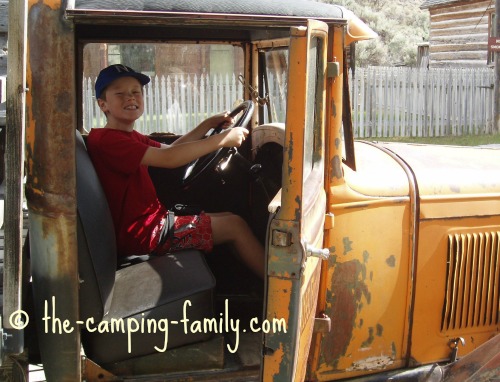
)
(123, 101)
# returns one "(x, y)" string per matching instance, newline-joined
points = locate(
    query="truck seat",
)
(136, 310)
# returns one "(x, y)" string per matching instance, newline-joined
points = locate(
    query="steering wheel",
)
(208, 162)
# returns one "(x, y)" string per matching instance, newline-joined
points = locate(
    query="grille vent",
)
(473, 281)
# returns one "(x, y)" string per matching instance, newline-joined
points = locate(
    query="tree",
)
(400, 24)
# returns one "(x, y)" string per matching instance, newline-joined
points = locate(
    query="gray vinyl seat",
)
(150, 292)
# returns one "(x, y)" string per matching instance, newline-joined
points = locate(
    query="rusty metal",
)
(293, 278)
(360, 268)
(51, 187)
(351, 279)
(334, 107)
(414, 230)
(92, 372)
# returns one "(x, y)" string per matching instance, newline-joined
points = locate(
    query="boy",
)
(121, 157)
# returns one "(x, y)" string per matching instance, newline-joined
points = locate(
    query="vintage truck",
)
(383, 259)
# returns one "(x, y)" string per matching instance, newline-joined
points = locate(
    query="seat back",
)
(150, 290)
(96, 239)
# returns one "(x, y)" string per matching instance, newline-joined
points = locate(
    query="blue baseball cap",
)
(113, 72)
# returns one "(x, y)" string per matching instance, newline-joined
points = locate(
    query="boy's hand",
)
(233, 137)
(222, 120)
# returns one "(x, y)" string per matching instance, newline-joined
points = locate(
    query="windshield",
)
(276, 71)
(189, 82)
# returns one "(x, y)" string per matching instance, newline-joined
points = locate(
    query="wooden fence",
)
(173, 104)
(385, 101)
(417, 102)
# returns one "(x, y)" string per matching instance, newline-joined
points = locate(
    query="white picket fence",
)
(385, 101)
(173, 104)
(388, 102)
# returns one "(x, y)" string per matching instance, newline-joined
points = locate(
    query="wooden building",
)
(459, 31)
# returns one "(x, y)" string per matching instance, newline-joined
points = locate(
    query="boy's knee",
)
(237, 224)
(228, 226)
(236, 221)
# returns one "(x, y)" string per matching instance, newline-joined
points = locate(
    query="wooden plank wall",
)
(459, 33)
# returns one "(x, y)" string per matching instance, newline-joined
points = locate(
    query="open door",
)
(296, 231)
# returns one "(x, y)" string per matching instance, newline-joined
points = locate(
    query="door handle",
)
(322, 253)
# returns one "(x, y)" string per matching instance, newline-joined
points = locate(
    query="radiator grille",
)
(473, 281)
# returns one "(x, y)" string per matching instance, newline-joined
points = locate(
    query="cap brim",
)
(142, 78)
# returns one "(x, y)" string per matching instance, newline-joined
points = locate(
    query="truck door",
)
(295, 234)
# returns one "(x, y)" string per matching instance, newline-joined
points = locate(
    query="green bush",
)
(400, 24)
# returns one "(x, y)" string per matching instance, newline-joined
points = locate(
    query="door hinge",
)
(329, 221)
(281, 238)
(333, 69)
(322, 324)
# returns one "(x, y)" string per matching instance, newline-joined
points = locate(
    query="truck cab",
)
(382, 259)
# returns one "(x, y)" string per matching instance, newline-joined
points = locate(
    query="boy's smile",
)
(123, 103)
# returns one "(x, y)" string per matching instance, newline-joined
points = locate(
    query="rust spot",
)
(366, 256)
(366, 343)
(63, 101)
(289, 150)
(347, 292)
(298, 209)
(347, 245)
(391, 261)
(337, 143)
(336, 167)
(380, 330)
(334, 108)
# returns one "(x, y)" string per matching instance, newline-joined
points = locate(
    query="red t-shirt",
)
(136, 210)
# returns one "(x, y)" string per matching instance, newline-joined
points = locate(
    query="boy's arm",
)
(181, 154)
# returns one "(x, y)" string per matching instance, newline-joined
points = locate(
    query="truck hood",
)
(451, 170)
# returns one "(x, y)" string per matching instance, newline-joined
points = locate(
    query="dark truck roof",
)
(256, 9)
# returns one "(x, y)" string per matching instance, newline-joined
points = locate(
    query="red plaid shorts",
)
(190, 231)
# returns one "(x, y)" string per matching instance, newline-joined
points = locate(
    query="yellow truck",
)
(382, 259)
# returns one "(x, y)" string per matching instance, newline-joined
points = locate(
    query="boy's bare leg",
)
(230, 228)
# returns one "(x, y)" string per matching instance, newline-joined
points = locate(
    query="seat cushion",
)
(150, 298)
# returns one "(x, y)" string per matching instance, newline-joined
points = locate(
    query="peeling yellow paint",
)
(372, 363)
(272, 364)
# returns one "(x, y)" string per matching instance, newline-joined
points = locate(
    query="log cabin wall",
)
(459, 32)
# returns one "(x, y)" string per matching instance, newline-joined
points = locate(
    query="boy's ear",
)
(102, 105)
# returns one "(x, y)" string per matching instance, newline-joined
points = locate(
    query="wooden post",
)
(51, 186)
(14, 159)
